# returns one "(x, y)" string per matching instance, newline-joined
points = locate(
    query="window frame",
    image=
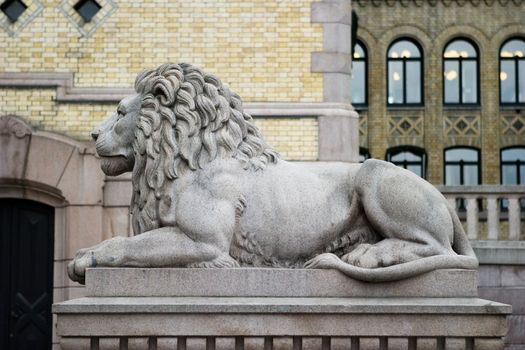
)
(516, 163)
(460, 61)
(365, 60)
(461, 163)
(516, 73)
(392, 151)
(403, 60)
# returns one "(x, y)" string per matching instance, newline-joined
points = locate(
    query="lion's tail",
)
(465, 259)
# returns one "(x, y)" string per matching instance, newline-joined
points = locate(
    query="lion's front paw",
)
(107, 253)
(322, 261)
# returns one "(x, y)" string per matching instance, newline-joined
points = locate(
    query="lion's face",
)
(114, 138)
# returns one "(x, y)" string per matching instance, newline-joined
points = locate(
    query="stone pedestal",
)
(278, 309)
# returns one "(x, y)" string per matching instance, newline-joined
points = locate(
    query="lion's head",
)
(180, 120)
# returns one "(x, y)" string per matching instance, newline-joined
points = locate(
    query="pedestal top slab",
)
(270, 282)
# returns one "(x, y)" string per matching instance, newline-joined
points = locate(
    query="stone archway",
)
(59, 172)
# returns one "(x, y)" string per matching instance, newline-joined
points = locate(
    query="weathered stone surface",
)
(500, 252)
(514, 296)
(516, 333)
(15, 137)
(84, 228)
(222, 197)
(103, 282)
(513, 276)
(489, 276)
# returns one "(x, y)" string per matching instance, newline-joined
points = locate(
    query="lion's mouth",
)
(114, 165)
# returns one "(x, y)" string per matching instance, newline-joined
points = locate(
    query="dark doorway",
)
(26, 274)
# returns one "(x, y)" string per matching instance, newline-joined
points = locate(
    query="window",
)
(87, 9)
(462, 166)
(13, 9)
(408, 157)
(460, 73)
(359, 75)
(512, 72)
(363, 154)
(513, 166)
(404, 73)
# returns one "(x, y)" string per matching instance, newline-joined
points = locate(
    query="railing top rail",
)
(483, 189)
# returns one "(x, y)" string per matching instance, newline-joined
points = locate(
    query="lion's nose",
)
(94, 134)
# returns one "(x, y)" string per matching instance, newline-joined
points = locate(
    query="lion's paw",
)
(322, 261)
(366, 256)
(107, 253)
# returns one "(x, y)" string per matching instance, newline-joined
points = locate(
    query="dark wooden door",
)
(26, 274)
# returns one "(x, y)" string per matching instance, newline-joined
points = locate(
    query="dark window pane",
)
(508, 83)
(451, 82)
(416, 169)
(457, 154)
(460, 48)
(395, 82)
(521, 81)
(470, 82)
(509, 175)
(358, 51)
(358, 82)
(405, 155)
(513, 48)
(413, 82)
(13, 9)
(470, 175)
(522, 175)
(87, 9)
(452, 176)
(513, 154)
(404, 49)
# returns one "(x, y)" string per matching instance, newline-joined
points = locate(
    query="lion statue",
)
(209, 192)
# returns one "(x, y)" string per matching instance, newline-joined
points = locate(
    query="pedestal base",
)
(236, 309)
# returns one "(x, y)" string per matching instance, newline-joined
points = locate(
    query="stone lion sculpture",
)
(209, 192)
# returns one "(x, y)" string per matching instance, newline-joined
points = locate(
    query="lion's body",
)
(209, 192)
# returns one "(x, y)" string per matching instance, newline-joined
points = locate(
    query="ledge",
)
(500, 252)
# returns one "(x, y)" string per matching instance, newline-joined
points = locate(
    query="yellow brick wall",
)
(260, 48)
(295, 139)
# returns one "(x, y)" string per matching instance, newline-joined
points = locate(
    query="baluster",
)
(412, 343)
(472, 218)
(383, 343)
(440, 343)
(492, 218)
(123, 343)
(326, 343)
(297, 343)
(181, 343)
(452, 201)
(268, 343)
(239, 343)
(355, 343)
(514, 219)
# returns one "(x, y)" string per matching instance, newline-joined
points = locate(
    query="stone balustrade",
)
(483, 206)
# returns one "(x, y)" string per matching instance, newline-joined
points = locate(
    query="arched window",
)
(408, 157)
(404, 73)
(363, 154)
(513, 166)
(460, 73)
(359, 75)
(462, 166)
(512, 72)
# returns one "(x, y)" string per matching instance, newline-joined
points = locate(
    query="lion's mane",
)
(187, 119)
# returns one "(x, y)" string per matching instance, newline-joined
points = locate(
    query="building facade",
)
(439, 89)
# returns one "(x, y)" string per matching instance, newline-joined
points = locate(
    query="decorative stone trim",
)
(66, 7)
(433, 3)
(34, 8)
